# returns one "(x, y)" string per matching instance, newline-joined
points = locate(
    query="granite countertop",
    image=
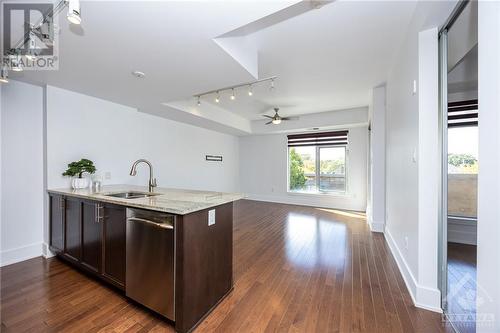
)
(174, 201)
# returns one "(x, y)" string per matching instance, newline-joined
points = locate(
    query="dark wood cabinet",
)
(56, 212)
(114, 236)
(91, 236)
(72, 228)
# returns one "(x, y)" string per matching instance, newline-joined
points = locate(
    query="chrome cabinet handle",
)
(98, 217)
(159, 225)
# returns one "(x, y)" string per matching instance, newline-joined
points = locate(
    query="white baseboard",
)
(422, 297)
(462, 230)
(22, 253)
(46, 253)
(377, 226)
(331, 202)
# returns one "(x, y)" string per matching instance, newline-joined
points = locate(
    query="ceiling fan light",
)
(74, 16)
(276, 121)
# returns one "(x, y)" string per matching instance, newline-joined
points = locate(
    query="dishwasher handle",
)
(159, 225)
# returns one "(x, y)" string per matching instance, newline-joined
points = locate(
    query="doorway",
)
(459, 147)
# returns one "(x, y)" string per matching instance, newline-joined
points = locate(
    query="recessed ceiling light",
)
(138, 74)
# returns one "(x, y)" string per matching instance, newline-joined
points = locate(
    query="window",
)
(462, 158)
(317, 162)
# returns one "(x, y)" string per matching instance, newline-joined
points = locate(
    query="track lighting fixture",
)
(74, 12)
(16, 64)
(199, 102)
(4, 74)
(249, 85)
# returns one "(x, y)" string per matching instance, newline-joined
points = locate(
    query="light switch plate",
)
(211, 217)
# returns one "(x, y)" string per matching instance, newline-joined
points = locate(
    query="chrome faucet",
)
(152, 181)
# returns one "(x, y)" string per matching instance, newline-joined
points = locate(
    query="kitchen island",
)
(170, 250)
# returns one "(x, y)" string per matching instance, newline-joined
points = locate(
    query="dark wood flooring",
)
(296, 269)
(462, 286)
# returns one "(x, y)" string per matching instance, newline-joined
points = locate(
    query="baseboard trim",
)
(46, 253)
(462, 230)
(19, 254)
(377, 226)
(422, 297)
(296, 199)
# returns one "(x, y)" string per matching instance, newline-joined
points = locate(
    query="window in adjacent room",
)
(317, 162)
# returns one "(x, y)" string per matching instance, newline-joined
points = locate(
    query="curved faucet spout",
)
(152, 180)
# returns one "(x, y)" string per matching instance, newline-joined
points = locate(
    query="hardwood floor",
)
(296, 269)
(462, 286)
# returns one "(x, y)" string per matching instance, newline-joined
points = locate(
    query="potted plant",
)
(77, 169)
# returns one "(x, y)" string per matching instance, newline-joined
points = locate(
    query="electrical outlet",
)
(406, 242)
(211, 217)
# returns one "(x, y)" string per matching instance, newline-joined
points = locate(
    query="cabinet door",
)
(56, 223)
(72, 228)
(114, 234)
(91, 236)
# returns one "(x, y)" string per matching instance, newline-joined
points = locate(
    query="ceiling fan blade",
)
(265, 115)
(290, 118)
(269, 122)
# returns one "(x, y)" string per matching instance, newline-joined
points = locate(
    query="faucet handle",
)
(153, 182)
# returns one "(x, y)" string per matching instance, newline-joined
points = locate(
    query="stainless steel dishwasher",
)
(150, 260)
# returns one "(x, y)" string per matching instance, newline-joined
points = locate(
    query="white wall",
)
(488, 226)
(263, 172)
(404, 232)
(21, 172)
(114, 136)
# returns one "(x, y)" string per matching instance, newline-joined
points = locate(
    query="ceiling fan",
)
(276, 119)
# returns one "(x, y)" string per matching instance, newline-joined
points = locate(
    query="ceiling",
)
(325, 59)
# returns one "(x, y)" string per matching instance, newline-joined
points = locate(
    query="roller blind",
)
(463, 113)
(335, 138)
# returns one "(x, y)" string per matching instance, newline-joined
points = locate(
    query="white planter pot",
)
(79, 183)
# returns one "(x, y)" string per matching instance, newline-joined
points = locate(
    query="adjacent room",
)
(249, 166)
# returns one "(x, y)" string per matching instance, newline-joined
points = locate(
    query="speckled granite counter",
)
(175, 201)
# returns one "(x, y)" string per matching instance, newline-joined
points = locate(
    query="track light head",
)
(198, 102)
(233, 97)
(16, 64)
(4, 74)
(74, 16)
(250, 92)
(217, 98)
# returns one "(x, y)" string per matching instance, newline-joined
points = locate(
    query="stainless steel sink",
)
(132, 195)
